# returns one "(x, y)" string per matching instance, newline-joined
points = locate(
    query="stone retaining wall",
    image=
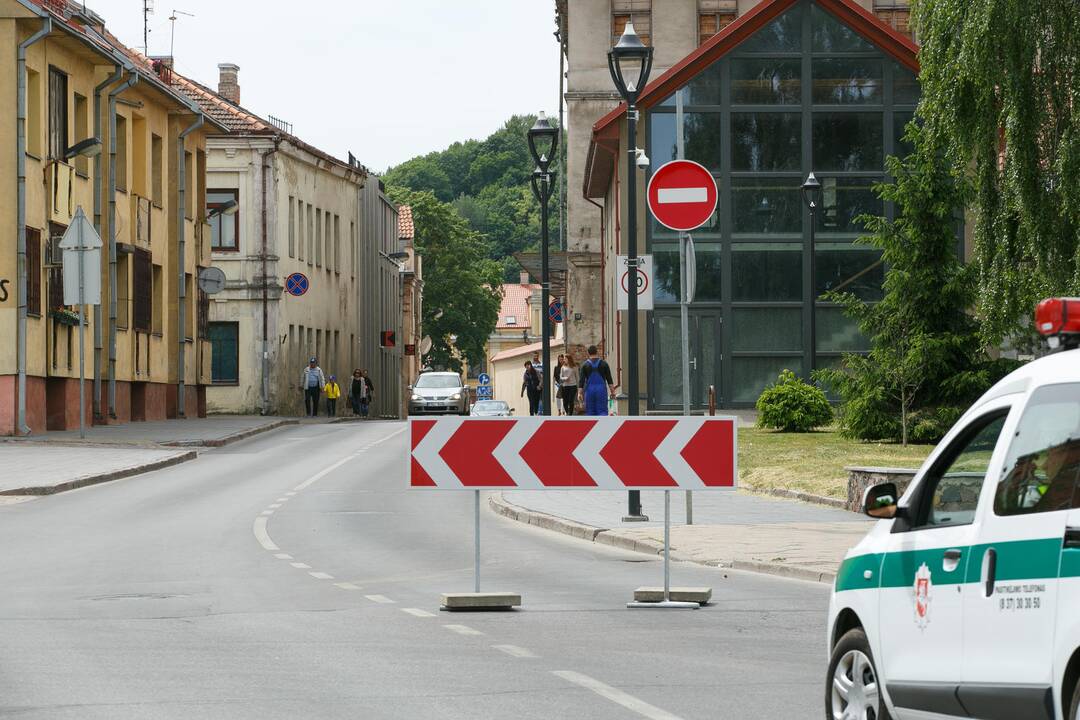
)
(861, 478)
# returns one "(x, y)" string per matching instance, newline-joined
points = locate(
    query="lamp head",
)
(811, 188)
(630, 63)
(543, 140)
(229, 207)
(90, 147)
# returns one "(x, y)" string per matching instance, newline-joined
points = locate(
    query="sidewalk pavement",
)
(42, 469)
(212, 431)
(731, 529)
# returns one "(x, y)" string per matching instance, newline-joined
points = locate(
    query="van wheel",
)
(852, 686)
(1074, 711)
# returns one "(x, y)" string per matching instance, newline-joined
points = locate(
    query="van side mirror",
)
(880, 501)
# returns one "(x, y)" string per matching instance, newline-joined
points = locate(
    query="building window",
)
(33, 271)
(637, 11)
(714, 16)
(292, 226)
(318, 238)
(82, 132)
(158, 302)
(337, 244)
(896, 13)
(224, 353)
(121, 153)
(143, 284)
(156, 169)
(123, 291)
(224, 229)
(310, 234)
(139, 161)
(33, 113)
(189, 186)
(58, 114)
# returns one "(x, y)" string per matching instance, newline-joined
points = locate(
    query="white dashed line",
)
(615, 695)
(290, 493)
(347, 586)
(382, 599)
(417, 612)
(283, 556)
(515, 651)
(463, 630)
(321, 474)
(267, 512)
(300, 566)
(275, 506)
(282, 499)
(321, 576)
(259, 528)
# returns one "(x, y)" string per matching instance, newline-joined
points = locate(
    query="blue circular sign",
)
(296, 284)
(484, 379)
(555, 310)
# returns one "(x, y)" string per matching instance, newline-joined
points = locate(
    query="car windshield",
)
(491, 406)
(438, 381)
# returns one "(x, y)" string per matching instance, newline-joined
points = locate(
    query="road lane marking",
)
(267, 512)
(515, 651)
(283, 556)
(290, 493)
(274, 506)
(300, 566)
(417, 612)
(259, 528)
(382, 599)
(347, 586)
(615, 695)
(321, 474)
(463, 630)
(282, 499)
(321, 576)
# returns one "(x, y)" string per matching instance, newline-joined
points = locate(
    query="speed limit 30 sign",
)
(682, 195)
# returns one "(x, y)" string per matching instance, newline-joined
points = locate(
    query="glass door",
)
(666, 391)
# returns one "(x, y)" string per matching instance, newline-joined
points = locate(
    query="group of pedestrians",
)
(590, 386)
(315, 384)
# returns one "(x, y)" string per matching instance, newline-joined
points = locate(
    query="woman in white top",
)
(568, 379)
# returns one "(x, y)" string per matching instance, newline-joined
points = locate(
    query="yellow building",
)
(64, 79)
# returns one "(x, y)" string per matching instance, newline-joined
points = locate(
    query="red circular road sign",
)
(682, 195)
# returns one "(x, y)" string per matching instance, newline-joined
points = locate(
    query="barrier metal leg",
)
(667, 602)
(476, 557)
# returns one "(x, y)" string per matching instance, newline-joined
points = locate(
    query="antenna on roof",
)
(172, 32)
(147, 11)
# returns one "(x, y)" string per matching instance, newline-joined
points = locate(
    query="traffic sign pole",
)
(82, 338)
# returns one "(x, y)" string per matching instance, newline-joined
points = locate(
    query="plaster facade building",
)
(763, 93)
(412, 303)
(294, 209)
(146, 353)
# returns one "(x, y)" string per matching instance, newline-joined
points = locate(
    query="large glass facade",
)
(805, 93)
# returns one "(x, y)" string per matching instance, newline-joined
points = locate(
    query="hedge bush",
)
(791, 405)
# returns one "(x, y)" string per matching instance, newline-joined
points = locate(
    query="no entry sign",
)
(682, 195)
(586, 453)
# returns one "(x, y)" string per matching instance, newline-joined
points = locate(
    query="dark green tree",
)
(1001, 91)
(926, 361)
(461, 296)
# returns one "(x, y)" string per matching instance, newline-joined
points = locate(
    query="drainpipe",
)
(98, 337)
(603, 280)
(130, 82)
(20, 149)
(181, 261)
(265, 300)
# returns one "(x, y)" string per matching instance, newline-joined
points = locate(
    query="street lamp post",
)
(629, 57)
(812, 194)
(543, 141)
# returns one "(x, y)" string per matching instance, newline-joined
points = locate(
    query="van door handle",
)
(989, 571)
(1072, 538)
(952, 559)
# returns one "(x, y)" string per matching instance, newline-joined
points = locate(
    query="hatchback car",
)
(964, 599)
(439, 393)
(492, 408)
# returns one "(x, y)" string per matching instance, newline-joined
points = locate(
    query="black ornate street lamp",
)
(811, 189)
(630, 62)
(543, 141)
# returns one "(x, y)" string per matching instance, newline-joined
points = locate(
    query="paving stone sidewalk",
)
(731, 529)
(44, 469)
(212, 431)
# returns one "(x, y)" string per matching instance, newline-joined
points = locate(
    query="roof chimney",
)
(524, 278)
(228, 86)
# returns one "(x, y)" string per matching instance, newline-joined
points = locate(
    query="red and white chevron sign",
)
(601, 453)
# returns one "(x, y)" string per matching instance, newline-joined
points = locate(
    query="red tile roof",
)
(518, 351)
(406, 231)
(515, 302)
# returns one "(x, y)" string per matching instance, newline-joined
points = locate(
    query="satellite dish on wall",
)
(425, 345)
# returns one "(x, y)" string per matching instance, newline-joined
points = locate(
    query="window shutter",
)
(33, 271)
(143, 292)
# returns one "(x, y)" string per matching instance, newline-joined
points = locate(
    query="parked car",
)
(439, 393)
(492, 408)
(962, 602)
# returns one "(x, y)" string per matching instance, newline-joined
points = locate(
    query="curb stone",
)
(235, 437)
(104, 477)
(605, 536)
(802, 496)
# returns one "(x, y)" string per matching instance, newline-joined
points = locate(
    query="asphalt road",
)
(294, 576)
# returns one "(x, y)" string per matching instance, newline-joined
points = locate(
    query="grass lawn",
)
(814, 462)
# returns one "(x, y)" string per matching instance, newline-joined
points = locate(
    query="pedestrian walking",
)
(531, 384)
(356, 391)
(333, 392)
(556, 383)
(312, 382)
(367, 393)
(568, 379)
(595, 383)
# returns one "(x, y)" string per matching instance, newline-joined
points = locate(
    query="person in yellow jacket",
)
(333, 392)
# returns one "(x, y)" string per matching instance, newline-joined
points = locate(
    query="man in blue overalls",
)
(595, 384)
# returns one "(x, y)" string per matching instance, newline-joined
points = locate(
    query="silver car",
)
(492, 408)
(439, 393)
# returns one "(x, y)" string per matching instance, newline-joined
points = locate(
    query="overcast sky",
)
(386, 79)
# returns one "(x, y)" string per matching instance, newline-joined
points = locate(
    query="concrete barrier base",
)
(480, 601)
(700, 595)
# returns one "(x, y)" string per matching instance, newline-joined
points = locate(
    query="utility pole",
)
(147, 11)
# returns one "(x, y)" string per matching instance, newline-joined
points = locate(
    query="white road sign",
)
(82, 256)
(644, 282)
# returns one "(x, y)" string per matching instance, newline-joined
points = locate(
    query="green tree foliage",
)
(461, 299)
(1001, 89)
(792, 405)
(487, 181)
(926, 358)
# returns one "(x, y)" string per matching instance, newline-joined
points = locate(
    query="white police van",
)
(964, 601)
